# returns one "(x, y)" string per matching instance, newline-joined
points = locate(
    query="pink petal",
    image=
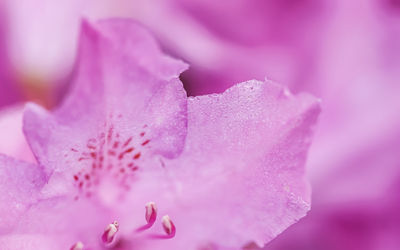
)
(242, 170)
(29, 242)
(12, 141)
(66, 221)
(126, 92)
(19, 185)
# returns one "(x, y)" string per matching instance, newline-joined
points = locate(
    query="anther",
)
(77, 246)
(109, 232)
(150, 216)
(168, 226)
(151, 213)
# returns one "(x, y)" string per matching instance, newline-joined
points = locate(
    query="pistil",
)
(150, 216)
(168, 226)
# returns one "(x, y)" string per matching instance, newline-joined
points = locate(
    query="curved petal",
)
(242, 170)
(20, 183)
(126, 99)
(12, 141)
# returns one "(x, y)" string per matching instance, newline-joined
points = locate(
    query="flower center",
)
(109, 155)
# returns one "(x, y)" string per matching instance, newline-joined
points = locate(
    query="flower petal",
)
(29, 242)
(126, 93)
(65, 221)
(12, 141)
(242, 170)
(19, 185)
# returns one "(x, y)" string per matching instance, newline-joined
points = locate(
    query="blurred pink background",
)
(345, 52)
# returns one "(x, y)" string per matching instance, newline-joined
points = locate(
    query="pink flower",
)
(129, 162)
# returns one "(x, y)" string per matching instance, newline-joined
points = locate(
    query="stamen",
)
(150, 216)
(77, 246)
(109, 232)
(168, 226)
(151, 212)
